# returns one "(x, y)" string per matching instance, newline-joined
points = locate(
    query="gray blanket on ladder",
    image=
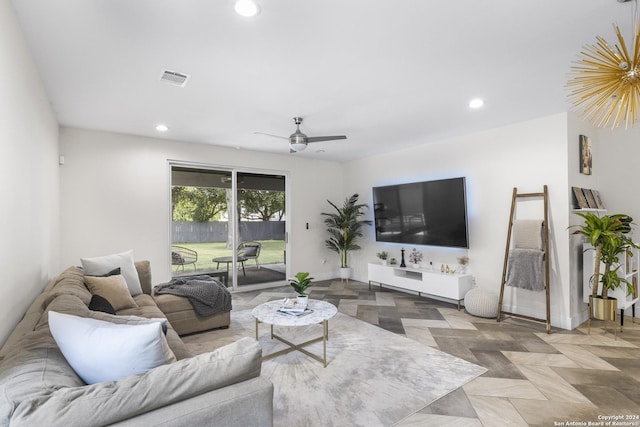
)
(525, 269)
(207, 295)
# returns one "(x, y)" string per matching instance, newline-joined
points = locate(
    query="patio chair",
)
(250, 250)
(181, 256)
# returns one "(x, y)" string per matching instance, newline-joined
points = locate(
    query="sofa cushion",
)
(113, 288)
(144, 274)
(69, 304)
(31, 368)
(104, 351)
(70, 282)
(101, 304)
(107, 403)
(101, 265)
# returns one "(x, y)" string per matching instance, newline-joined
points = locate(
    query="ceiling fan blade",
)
(271, 135)
(324, 138)
(291, 151)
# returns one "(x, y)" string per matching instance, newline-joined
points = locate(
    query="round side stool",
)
(481, 303)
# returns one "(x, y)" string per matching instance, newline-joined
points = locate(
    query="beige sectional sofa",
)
(38, 387)
(180, 313)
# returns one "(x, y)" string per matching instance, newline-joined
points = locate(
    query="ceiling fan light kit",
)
(605, 80)
(298, 141)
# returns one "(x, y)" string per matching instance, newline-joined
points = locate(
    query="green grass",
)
(272, 252)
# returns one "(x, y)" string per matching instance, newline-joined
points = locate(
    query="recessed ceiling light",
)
(247, 8)
(162, 128)
(476, 103)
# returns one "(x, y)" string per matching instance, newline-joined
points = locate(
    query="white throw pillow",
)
(103, 351)
(99, 266)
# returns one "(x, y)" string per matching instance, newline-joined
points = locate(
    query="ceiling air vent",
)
(175, 78)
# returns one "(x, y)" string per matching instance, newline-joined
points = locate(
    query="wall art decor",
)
(585, 155)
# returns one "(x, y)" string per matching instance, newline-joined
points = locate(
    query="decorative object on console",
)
(383, 256)
(605, 80)
(463, 261)
(402, 263)
(344, 227)
(300, 283)
(415, 257)
(393, 261)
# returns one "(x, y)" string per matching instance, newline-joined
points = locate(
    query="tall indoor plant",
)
(344, 227)
(608, 236)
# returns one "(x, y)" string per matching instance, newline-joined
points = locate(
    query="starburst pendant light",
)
(605, 81)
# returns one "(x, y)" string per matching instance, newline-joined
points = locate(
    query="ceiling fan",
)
(298, 141)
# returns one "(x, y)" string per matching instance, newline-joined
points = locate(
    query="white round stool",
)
(481, 303)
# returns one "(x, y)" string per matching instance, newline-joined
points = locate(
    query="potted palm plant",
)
(300, 283)
(608, 236)
(344, 227)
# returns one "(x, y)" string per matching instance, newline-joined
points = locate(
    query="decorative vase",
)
(602, 309)
(384, 262)
(415, 265)
(302, 300)
(345, 273)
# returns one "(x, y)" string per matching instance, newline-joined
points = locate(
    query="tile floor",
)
(534, 379)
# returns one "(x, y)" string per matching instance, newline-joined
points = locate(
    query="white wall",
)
(28, 177)
(615, 165)
(525, 155)
(577, 127)
(115, 197)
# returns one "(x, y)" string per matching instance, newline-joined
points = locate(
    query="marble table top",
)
(268, 313)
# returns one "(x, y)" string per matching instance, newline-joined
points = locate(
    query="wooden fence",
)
(216, 231)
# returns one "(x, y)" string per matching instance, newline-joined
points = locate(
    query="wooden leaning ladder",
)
(545, 228)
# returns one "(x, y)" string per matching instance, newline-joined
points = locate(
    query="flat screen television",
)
(432, 213)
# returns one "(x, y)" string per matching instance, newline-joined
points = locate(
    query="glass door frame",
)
(232, 283)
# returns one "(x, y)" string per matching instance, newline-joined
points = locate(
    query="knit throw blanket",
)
(207, 295)
(525, 269)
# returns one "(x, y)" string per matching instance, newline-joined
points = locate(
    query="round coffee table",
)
(322, 311)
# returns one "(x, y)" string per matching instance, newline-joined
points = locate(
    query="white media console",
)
(435, 283)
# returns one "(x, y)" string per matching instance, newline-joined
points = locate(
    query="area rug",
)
(373, 377)
(254, 276)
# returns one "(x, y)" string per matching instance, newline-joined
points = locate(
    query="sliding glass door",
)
(229, 224)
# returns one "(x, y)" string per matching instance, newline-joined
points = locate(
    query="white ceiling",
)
(387, 73)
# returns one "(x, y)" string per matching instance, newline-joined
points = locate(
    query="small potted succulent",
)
(300, 283)
(384, 255)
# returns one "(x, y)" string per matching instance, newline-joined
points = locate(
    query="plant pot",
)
(384, 262)
(345, 273)
(602, 309)
(415, 265)
(302, 300)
